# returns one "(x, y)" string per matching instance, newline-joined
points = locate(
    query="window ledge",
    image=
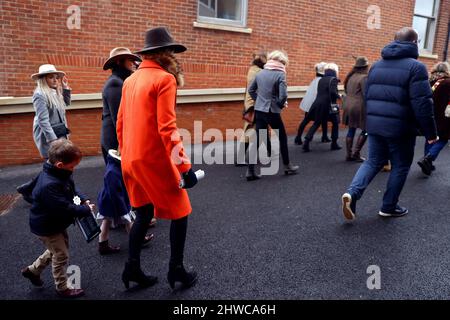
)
(221, 27)
(428, 55)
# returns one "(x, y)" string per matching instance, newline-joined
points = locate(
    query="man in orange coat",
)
(153, 158)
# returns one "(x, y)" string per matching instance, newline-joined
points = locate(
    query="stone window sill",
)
(221, 27)
(428, 55)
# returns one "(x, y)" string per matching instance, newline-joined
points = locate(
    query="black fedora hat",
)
(160, 38)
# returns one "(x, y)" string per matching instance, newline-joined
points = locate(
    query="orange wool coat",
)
(152, 152)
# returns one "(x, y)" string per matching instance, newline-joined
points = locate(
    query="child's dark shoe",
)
(104, 248)
(34, 279)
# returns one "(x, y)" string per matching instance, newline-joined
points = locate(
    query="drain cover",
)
(7, 201)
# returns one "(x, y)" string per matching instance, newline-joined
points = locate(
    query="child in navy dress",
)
(113, 204)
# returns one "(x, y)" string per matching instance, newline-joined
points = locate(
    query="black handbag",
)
(334, 108)
(60, 129)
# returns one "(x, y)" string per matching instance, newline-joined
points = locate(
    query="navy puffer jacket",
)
(398, 94)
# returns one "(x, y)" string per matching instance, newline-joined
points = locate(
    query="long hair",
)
(363, 70)
(259, 59)
(167, 59)
(53, 97)
(439, 71)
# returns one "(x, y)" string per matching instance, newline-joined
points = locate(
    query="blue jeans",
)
(400, 152)
(434, 149)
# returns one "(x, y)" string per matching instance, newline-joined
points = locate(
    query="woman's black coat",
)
(327, 93)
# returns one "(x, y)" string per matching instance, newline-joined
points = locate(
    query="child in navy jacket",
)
(53, 211)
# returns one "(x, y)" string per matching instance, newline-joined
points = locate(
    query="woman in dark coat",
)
(327, 94)
(440, 82)
(122, 63)
(354, 108)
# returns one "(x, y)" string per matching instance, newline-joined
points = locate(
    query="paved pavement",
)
(277, 238)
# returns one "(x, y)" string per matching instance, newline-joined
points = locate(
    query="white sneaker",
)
(347, 210)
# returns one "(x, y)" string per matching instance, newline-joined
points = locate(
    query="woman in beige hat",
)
(49, 102)
(122, 63)
(51, 97)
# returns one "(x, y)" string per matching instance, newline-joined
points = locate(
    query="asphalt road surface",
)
(282, 237)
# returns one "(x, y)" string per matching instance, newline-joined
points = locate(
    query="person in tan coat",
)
(259, 60)
(153, 158)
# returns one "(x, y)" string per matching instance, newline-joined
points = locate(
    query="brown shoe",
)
(71, 293)
(387, 168)
(34, 279)
(105, 248)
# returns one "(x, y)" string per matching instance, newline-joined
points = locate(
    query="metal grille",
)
(7, 202)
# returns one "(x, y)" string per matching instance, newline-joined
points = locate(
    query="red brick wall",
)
(442, 30)
(16, 136)
(34, 32)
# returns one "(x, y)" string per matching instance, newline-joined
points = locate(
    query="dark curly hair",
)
(260, 59)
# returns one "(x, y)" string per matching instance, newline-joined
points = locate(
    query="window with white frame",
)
(224, 12)
(425, 21)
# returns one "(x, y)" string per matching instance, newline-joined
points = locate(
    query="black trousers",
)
(334, 119)
(307, 119)
(263, 121)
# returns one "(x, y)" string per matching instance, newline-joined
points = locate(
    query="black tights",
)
(334, 119)
(138, 231)
(178, 229)
(307, 119)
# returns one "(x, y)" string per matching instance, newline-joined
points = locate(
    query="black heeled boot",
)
(306, 145)
(298, 140)
(133, 273)
(179, 274)
(335, 146)
(251, 174)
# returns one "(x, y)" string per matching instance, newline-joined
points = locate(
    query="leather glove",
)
(190, 179)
